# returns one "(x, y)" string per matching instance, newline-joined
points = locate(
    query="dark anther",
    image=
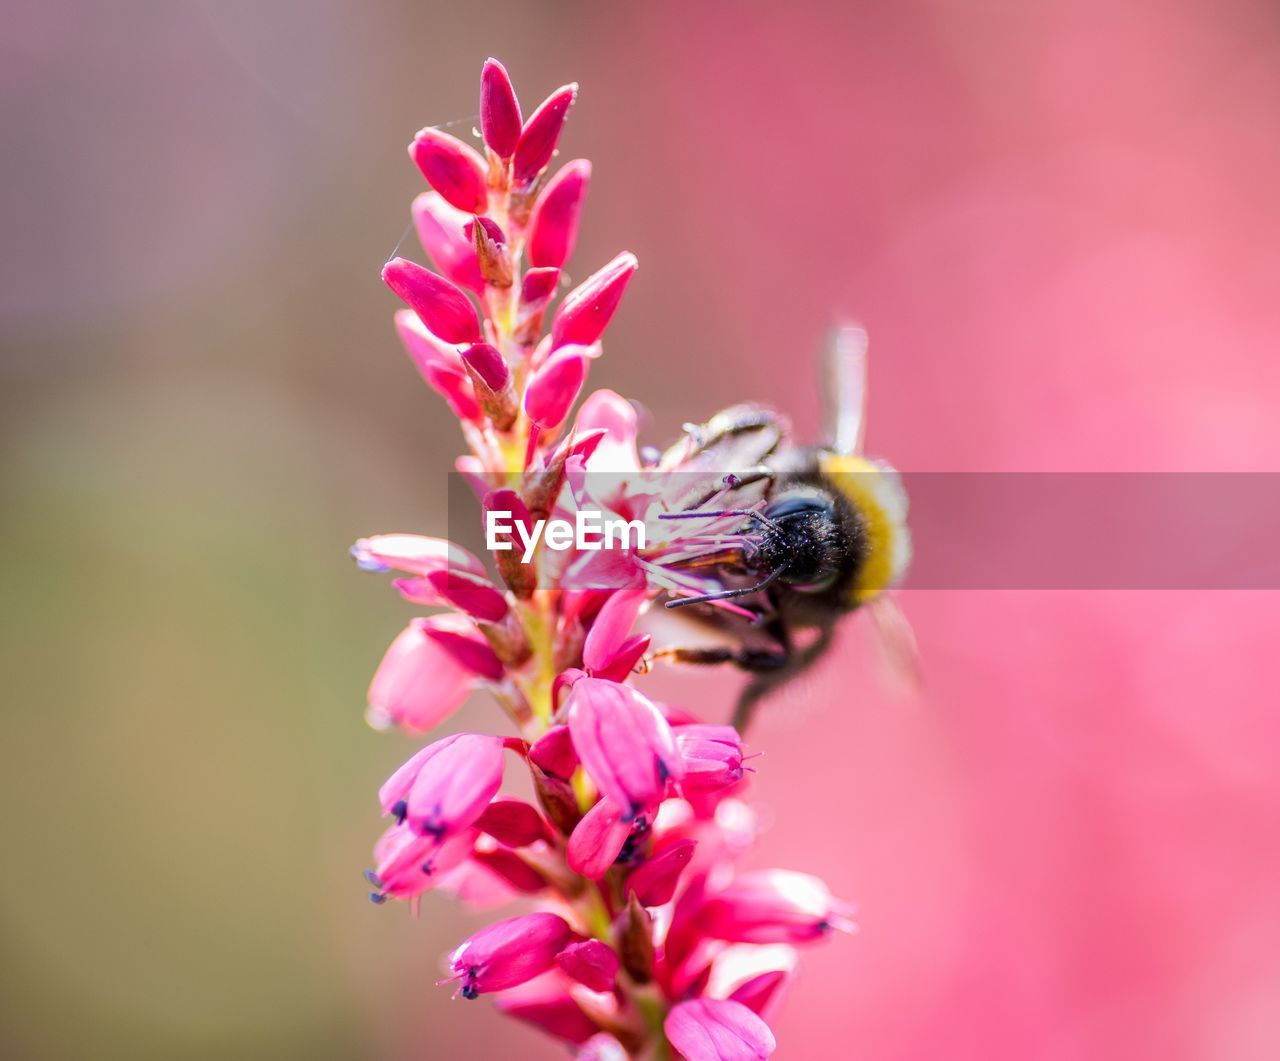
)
(401, 811)
(468, 990)
(372, 878)
(377, 898)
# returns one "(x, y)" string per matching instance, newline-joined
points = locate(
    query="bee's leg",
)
(768, 680)
(752, 659)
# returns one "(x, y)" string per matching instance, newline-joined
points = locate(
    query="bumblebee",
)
(798, 537)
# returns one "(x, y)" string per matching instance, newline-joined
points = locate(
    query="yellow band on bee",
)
(875, 491)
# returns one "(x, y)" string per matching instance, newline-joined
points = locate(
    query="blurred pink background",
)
(1058, 221)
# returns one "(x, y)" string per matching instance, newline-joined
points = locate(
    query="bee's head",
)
(809, 539)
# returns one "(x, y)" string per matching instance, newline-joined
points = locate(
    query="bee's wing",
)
(845, 371)
(896, 642)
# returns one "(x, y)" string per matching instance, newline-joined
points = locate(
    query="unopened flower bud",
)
(512, 822)
(654, 881)
(508, 953)
(452, 168)
(442, 306)
(587, 309)
(556, 384)
(521, 578)
(553, 225)
(635, 941)
(540, 135)
(500, 120)
(442, 232)
(476, 596)
(490, 244)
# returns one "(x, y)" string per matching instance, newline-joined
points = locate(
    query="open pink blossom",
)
(711, 1029)
(428, 672)
(624, 743)
(408, 863)
(508, 953)
(447, 785)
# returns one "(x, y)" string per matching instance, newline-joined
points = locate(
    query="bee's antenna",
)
(727, 594)
(749, 513)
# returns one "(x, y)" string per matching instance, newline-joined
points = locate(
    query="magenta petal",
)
(611, 627)
(453, 169)
(540, 135)
(624, 742)
(712, 756)
(545, 1003)
(590, 962)
(442, 306)
(587, 309)
(512, 822)
(553, 753)
(500, 121)
(442, 233)
(597, 840)
(453, 787)
(438, 363)
(538, 286)
(654, 882)
(553, 227)
(760, 991)
(476, 596)
(488, 365)
(712, 1029)
(612, 413)
(464, 644)
(509, 952)
(419, 683)
(408, 863)
(773, 906)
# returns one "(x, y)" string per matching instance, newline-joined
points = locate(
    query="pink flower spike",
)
(442, 306)
(476, 596)
(712, 1029)
(556, 385)
(512, 822)
(553, 226)
(442, 233)
(428, 672)
(453, 169)
(408, 863)
(590, 962)
(540, 135)
(443, 793)
(654, 882)
(588, 308)
(597, 840)
(415, 554)
(624, 743)
(500, 120)
(611, 628)
(774, 906)
(712, 756)
(553, 753)
(508, 953)
(538, 286)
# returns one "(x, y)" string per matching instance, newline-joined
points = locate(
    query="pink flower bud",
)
(587, 309)
(654, 881)
(553, 226)
(442, 231)
(712, 757)
(490, 243)
(512, 822)
(508, 953)
(590, 962)
(540, 135)
(556, 384)
(500, 120)
(713, 1029)
(488, 365)
(597, 840)
(409, 863)
(476, 596)
(453, 169)
(446, 786)
(624, 743)
(443, 307)
(538, 286)
(520, 578)
(773, 906)
(428, 672)
(439, 364)
(553, 753)
(414, 553)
